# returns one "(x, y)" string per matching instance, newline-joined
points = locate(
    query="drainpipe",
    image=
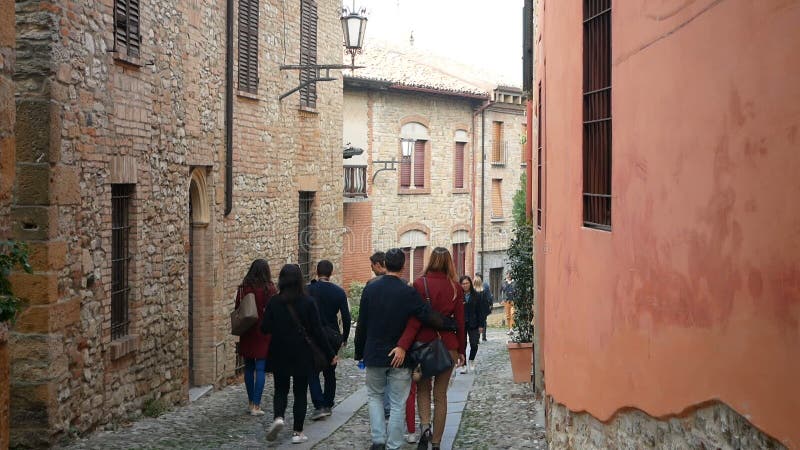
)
(228, 106)
(480, 111)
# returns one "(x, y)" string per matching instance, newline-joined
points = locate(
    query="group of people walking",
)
(298, 337)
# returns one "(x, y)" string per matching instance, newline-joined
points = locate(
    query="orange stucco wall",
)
(695, 294)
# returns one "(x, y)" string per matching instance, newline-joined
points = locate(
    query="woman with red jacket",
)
(254, 345)
(439, 283)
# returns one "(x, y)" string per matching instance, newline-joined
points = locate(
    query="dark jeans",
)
(474, 337)
(300, 398)
(320, 398)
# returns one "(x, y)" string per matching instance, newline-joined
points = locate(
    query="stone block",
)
(33, 184)
(66, 189)
(49, 318)
(46, 256)
(7, 166)
(37, 289)
(33, 223)
(33, 130)
(6, 100)
(30, 405)
(7, 26)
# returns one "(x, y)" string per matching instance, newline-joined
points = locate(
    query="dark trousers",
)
(323, 398)
(299, 390)
(474, 336)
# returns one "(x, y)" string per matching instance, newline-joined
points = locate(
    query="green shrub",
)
(520, 255)
(154, 407)
(12, 254)
(354, 298)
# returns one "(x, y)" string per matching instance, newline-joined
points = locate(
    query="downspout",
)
(228, 106)
(483, 182)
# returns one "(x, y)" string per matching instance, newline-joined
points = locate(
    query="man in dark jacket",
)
(386, 305)
(331, 301)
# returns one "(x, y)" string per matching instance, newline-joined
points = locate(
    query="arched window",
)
(414, 138)
(413, 243)
(460, 240)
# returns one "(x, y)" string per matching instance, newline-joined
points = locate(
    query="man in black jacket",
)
(386, 305)
(331, 301)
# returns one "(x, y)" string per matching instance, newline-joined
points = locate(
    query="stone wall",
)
(711, 426)
(90, 117)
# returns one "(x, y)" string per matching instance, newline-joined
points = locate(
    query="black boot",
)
(424, 439)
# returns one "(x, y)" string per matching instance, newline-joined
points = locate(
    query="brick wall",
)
(89, 118)
(357, 243)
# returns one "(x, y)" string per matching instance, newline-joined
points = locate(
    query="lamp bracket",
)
(318, 68)
(387, 165)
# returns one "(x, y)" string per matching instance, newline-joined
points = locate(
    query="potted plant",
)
(520, 255)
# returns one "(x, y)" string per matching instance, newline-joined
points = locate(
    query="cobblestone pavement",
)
(219, 420)
(498, 414)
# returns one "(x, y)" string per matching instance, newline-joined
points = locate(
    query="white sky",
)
(486, 34)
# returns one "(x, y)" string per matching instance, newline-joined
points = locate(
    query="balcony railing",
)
(355, 181)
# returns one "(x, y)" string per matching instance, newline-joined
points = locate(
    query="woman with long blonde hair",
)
(438, 285)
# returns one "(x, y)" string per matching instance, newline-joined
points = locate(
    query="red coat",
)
(254, 344)
(441, 289)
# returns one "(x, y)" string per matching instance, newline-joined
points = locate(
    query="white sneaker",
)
(471, 366)
(463, 369)
(256, 411)
(299, 438)
(274, 429)
(411, 438)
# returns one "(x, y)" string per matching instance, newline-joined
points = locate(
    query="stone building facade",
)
(121, 155)
(431, 196)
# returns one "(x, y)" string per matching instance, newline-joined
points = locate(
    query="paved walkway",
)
(486, 411)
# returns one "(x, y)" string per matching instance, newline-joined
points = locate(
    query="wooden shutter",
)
(127, 34)
(497, 198)
(460, 258)
(248, 46)
(497, 142)
(405, 172)
(308, 51)
(597, 114)
(459, 162)
(419, 164)
(419, 258)
(407, 266)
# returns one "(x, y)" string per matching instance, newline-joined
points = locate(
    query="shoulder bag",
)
(443, 323)
(319, 360)
(245, 316)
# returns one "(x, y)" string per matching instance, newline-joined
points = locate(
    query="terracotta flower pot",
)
(521, 361)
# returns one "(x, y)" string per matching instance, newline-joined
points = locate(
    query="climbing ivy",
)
(12, 254)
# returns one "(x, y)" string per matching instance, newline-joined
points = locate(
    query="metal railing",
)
(355, 181)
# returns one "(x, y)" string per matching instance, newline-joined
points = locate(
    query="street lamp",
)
(354, 25)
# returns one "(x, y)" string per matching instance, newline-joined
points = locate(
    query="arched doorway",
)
(199, 331)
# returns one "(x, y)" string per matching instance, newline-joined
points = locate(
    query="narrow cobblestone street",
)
(497, 414)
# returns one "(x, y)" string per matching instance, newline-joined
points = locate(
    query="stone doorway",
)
(200, 334)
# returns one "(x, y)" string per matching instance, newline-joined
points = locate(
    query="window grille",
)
(597, 114)
(248, 46)
(120, 258)
(308, 52)
(539, 160)
(305, 235)
(459, 163)
(127, 35)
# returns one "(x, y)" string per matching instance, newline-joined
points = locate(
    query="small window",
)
(597, 114)
(498, 144)
(121, 195)
(497, 199)
(458, 158)
(248, 46)
(127, 35)
(308, 52)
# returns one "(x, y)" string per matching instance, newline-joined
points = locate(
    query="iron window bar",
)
(120, 259)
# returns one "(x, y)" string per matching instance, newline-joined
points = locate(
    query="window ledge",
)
(460, 191)
(497, 219)
(247, 95)
(418, 191)
(308, 110)
(497, 164)
(124, 58)
(124, 346)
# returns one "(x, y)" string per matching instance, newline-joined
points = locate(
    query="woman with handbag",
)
(438, 285)
(253, 344)
(474, 320)
(297, 348)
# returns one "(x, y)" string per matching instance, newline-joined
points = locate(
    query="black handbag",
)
(432, 358)
(436, 319)
(319, 361)
(333, 336)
